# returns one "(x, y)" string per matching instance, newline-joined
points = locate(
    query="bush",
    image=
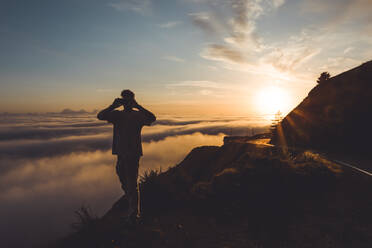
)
(324, 76)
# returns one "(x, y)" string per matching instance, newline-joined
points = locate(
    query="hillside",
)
(335, 116)
(241, 195)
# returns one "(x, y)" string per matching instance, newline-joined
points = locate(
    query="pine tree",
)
(323, 77)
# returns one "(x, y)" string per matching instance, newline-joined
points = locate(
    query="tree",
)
(275, 122)
(324, 76)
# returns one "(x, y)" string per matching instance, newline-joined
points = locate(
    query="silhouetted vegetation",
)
(149, 175)
(85, 218)
(324, 76)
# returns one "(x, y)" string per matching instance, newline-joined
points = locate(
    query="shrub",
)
(324, 76)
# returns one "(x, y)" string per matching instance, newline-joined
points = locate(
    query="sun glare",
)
(271, 100)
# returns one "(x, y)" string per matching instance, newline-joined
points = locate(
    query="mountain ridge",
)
(335, 116)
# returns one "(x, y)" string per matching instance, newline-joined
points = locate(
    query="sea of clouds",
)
(52, 164)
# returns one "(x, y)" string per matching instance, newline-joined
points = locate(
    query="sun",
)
(272, 99)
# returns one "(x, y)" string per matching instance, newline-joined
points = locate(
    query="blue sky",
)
(192, 55)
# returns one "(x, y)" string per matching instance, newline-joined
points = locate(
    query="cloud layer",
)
(52, 164)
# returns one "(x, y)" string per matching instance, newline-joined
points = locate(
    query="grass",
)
(149, 175)
(85, 219)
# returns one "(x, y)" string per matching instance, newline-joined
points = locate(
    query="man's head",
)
(128, 97)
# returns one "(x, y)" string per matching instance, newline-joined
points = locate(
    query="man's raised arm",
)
(148, 116)
(103, 114)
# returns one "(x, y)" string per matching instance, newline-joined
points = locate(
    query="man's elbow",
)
(150, 119)
(100, 117)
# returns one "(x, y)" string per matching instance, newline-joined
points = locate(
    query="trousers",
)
(127, 171)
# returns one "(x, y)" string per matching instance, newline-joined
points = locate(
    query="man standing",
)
(127, 144)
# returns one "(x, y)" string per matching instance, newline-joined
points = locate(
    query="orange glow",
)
(272, 99)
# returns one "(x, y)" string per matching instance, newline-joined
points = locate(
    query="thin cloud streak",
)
(174, 59)
(200, 84)
(170, 24)
(222, 53)
(139, 6)
(204, 21)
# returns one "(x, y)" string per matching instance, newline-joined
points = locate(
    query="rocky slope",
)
(241, 195)
(335, 116)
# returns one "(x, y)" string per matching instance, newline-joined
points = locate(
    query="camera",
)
(124, 100)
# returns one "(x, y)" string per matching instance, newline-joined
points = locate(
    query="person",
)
(127, 144)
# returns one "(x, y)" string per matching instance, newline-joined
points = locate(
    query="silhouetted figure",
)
(127, 143)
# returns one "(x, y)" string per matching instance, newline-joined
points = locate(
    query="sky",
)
(178, 56)
(206, 68)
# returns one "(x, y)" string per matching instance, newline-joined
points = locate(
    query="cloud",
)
(348, 50)
(290, 58)
(201, 87)
(50, 126)
(52, 132)
(341, 13)
(139, 6)
(172, 122)
(278, 3)
(176, 149)
(236, 21)
(238, 126)
(238, 27)
(170, 24)
(222, 53)
(174, 59)
(106, 90)
(38, 171)
(51, 164)
(206, 92)
(61, 138)
(318, 45)
(340, 64)
(53, 126)
(39, 196)
(204, 21)
(102, 142)
(240, 45)
(54, 147)
(243, 21)
(68, 111)
(65, 111)
(200, 84)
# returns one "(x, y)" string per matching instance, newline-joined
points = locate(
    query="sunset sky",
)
(205, 68)
(179, 56)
